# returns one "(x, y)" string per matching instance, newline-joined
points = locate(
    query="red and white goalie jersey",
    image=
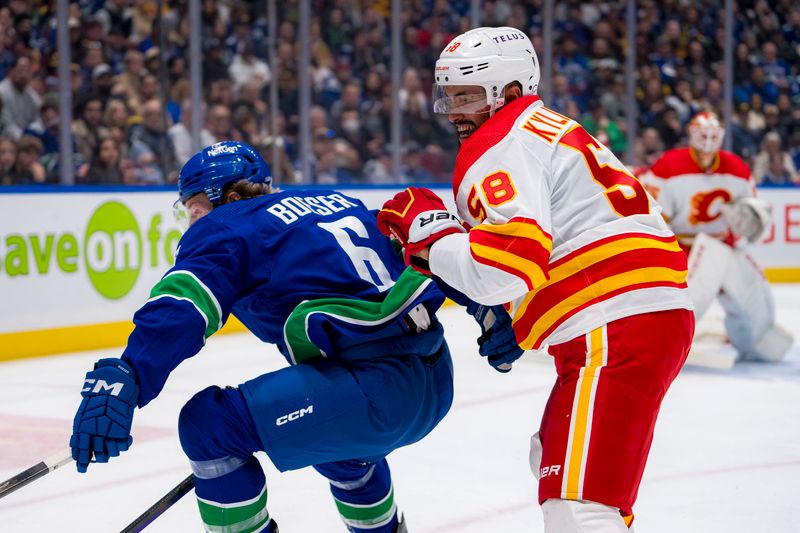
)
(560, 231)
(691, 197)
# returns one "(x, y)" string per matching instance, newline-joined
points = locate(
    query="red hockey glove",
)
(417, 218)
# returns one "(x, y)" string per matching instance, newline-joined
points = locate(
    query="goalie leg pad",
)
(581, 516)
(774, 344)
(749, 308)
(363, 494)
(708, 262)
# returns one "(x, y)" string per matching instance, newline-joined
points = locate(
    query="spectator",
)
(597, 122)
(105, 168)
(247, 68)
(117, 114)
(772, 165)
(776, 70)
(27, 168)
(150, 88)
(412, 169)
(744, 141)
(102, 81)
(46, 128)
(219, 122)
(181, 135)
(250, 96)
(411, 89)
(20, 103)
(245, 126)
(128, 84)
(140, 166)
(88, 129)
(649, 148)
(152, 132)
(351, 101)
(8, 156)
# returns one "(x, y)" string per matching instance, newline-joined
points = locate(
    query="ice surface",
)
(726, 455)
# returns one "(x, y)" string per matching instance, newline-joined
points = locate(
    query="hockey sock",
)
(236, 501)
(363, 494)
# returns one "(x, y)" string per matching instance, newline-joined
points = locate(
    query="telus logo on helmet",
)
(508, 37)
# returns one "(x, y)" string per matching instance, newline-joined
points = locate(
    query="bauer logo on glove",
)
(417, 218)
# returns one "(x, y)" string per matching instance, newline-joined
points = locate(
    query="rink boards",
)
(76, 263)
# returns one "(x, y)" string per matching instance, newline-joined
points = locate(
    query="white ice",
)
(726, 455)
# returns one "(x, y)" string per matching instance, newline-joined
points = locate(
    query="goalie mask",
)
(487, 59)
(705, 133)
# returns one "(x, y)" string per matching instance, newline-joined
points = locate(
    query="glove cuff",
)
(117, 363)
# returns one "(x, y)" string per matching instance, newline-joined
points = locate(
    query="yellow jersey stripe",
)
(582, 411)
(529, 268)
(519, 229)
(592, 257)
(599, 288)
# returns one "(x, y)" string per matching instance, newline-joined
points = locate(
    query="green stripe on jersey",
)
(183, 285)
(368, 516)
(406, 289)
(240, 517)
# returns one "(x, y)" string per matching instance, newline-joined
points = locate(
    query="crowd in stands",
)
(131, 90)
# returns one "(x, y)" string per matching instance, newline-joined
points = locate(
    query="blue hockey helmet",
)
(214, 167)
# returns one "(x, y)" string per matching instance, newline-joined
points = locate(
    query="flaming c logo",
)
(702, 202)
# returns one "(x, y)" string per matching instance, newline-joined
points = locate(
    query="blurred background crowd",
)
(131, 89)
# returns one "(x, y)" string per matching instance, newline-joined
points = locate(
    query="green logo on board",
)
(113, 250)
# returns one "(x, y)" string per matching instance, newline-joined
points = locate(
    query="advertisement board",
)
(74, 266)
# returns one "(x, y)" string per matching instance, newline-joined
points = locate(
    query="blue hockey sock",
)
(236, 501)
(363, 494)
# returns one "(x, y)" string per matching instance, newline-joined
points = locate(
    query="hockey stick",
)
(158, 508)
(35, 472)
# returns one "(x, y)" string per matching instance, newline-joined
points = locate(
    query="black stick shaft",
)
(161, 505)
(35, 472)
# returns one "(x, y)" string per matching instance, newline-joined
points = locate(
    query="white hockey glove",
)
(749, 217)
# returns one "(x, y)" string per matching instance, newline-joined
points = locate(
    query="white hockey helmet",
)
(705, 132)
(490, 58)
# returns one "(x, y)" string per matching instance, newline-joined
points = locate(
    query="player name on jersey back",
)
(292, 208)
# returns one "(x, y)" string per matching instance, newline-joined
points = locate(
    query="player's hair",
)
(247, 189)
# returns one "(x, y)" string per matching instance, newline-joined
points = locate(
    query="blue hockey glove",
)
(102, 425)
(497, 342)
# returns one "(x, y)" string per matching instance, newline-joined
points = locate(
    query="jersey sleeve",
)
(507, 255)
(188, 305)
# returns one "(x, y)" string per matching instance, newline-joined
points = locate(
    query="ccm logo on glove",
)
(100, 385)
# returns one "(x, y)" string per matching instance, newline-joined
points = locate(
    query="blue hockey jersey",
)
(260, 259)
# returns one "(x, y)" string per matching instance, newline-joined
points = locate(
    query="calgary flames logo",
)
(702, 202)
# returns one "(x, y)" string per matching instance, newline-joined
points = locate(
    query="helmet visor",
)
(181, 215)
(462, 99)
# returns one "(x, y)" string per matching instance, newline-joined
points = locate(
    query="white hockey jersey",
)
(691, 197)
(560, 231)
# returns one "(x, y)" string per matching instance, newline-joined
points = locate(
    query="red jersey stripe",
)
(487, 135)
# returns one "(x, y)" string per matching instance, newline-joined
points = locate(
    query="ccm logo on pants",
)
(291, 417)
